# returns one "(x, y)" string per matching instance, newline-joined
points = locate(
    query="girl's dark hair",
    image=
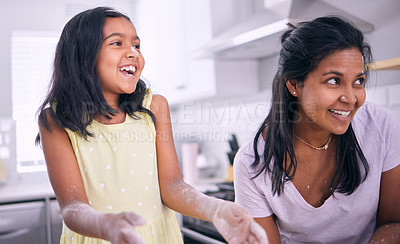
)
(303, 48)
(75, 93)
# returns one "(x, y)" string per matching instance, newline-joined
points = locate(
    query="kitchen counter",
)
(28, 187)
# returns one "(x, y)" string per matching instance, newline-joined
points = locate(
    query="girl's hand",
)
(236, 225)
(120, 228)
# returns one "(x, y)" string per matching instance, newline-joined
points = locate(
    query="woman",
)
(324, 166)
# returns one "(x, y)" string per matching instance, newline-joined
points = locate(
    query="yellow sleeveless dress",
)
(119, 170)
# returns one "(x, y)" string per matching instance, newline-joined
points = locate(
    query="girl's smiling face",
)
(332, 93)
(119, 63)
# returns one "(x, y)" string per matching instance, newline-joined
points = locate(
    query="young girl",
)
(323, 167)
(108, 144)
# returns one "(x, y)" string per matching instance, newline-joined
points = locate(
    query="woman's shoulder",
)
(374, 123)
(246, 152)
(371, 115)
(373, 108)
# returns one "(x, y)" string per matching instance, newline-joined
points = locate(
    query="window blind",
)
(32, 54)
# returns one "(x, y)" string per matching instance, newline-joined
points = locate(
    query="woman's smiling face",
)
(119, 63)
(332, 93)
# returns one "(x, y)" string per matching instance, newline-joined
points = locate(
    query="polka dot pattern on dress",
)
(116, 163)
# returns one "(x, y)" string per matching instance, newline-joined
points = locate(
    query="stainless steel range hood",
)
(258, 36)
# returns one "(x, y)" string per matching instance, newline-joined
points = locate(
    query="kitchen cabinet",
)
(23, 223)
(34, 222)
(172, 34)
(160, 31)
(29, 212)
(56, 221)
(209, 77)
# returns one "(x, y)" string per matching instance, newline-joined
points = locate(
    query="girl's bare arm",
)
(231, 220)
(68, 187)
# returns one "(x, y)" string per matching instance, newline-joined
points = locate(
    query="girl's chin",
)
(130, 89)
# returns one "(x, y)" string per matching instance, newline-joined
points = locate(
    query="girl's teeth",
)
(132, 68)
(128, 68)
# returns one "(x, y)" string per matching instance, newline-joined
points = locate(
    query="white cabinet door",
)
(200, 81)
(208, 77)
(172, 33)
(23, 223)
(159, 25)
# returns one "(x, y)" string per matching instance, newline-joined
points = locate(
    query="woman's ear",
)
(292, 86)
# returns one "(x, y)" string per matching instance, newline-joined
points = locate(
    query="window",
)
(32, 54)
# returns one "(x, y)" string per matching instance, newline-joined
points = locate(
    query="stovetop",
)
(226, 192)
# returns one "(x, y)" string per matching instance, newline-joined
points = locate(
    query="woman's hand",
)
(120, 228)
(236, 225)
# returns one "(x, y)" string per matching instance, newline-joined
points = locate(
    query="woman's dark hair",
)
(303, 48)
(75, 93)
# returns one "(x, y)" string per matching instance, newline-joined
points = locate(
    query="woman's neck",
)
(311, 136)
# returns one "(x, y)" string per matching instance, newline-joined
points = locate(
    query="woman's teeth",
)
(129, 69)
(340, 113)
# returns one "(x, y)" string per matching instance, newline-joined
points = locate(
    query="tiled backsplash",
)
(387, 96)
(210, 123)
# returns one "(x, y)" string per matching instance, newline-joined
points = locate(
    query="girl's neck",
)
(117, 118)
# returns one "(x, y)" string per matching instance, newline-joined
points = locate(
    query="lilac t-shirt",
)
(342, 218)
